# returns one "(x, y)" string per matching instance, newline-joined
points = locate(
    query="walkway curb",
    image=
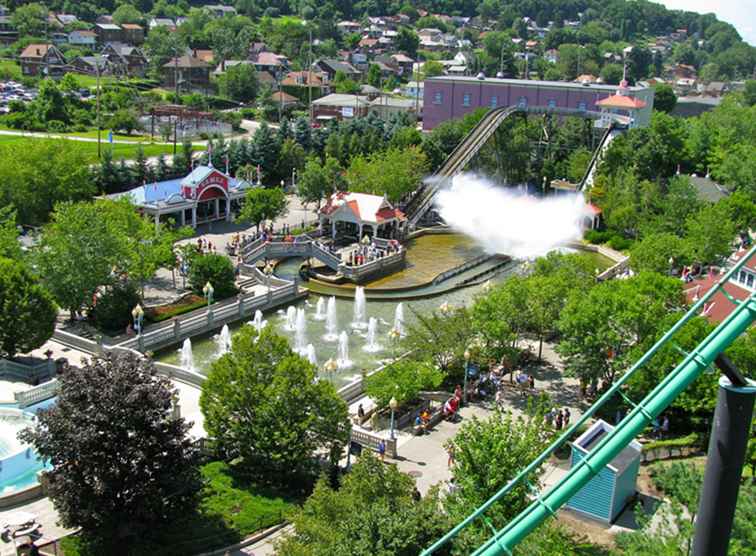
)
(246, 542)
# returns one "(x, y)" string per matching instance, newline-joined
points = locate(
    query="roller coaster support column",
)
(724, 465)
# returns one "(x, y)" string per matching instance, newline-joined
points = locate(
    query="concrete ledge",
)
(246, 542)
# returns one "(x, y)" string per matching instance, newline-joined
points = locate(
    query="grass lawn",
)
(119, 150)
(230, 510)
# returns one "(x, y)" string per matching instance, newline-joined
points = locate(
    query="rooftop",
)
(534, 82)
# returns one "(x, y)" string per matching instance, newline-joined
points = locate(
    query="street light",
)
(138, 314)
(330, 367)
(208, 291)
(268, 271)
(464, 380)
(393, 404)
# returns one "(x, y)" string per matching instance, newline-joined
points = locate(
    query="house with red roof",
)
(621, 104)
(358, 214)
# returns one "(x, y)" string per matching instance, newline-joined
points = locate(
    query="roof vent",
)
(499, 75)
(481, 76)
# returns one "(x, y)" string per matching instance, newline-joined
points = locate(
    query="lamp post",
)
(208, 291)
(268, 271)
(445, 308)
(138, 314)
(464, 380)
(393, 404)
(330, 367)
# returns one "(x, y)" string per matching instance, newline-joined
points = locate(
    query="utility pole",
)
(309, 73)
(99, 124)
(176, 94)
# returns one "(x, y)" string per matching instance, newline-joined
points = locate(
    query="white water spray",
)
(258, 321)
(343, 360)
(359, 308)
(332, 325)
(187, 356)
(291, 318)
(223, 341)
(300, 332)
(399, 319)
(372, 345)
(311, 357)
(510, 223)
(320, 309)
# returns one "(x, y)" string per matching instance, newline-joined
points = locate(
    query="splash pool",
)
(19, 463)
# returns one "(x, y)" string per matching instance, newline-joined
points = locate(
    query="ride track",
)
(694, 363)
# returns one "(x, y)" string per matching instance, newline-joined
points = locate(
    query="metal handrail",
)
(537, 462)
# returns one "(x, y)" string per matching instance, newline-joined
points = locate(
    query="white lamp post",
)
(464, 381)
(268, 270)
(208, 291)
(138, 314)
(393, 404)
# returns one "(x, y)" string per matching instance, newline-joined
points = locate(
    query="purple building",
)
(448, 98)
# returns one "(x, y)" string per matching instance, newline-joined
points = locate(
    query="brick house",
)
(133, 33)
(108, 32)
(125, 59)
(39, 59)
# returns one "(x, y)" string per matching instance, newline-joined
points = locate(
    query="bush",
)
(597, 237)
(165, 312)
(619, 243)
(216, 269)
(112, 312)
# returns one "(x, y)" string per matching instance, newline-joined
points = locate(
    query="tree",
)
(314, 182)
(27, 310)
(407, 41)
(749, 94)
(239, 83)
(262, 404)
(374, 75)
(655, 251)
(126, 13)
(373, 513)
(124, 120)
(393, 173)
(710, 233)
(402, 380)
(263, 204)
(128, 464)
(29, 19)
(215, 269)
(601, 330)
(487, 455)
(665, 99)
(266, 149)
(10, 248)
(432, 68)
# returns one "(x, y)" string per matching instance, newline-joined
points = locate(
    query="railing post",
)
(140, 342)
(176, 328)
(240, 302)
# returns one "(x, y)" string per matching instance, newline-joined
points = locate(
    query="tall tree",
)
(263, 204)
(10, 248)
(262, 404)
(128, 464)
(27, 310)
(314, 183)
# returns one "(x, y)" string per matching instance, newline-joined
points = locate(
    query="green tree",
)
(314, 182)
(487, 455)
(749, 94)
(665, 99)
(600, 331)
(10, 248)
(374, 75)
(215, 269)
(655, 251)
(263, 204)
(239, 83)
(29, 19)
(126, 13)
(611, 74)
(373, 512)
(262, 404)
(407, 41)
(402, 380)
(266, 149)
(128, 464)
(577, 164)
(393, 173)
(124, 120)
(27, 310)
(710, 233)
(432, 68)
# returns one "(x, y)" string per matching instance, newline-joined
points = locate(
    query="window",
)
(742, 277)
(552, 103)
(494, 102)
(466, 99)
(749, 280)
(438, 97)
(522, 102)
(582, 106)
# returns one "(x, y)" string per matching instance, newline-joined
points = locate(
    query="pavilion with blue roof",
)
(205, 195)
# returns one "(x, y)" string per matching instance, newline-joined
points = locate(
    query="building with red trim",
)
(360, 214)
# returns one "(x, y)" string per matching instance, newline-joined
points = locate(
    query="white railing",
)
(40, 393)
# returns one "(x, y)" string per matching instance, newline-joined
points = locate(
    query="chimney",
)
(39, 52)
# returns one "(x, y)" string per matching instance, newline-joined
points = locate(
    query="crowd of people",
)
(367, 253)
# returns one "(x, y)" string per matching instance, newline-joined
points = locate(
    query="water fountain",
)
(258, 321)
(372, 345)
(399, 319)
(311, 357)
(300, 332)
(359, 308)
(332, 333)
(187, 356)
(343, 360)
(222, 341)
(291, 319)
(320, 313)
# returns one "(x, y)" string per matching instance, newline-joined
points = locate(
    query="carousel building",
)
(360, 214)
(205, 195)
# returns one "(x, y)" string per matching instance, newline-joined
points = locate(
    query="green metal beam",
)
(566, 435)
(658, 400)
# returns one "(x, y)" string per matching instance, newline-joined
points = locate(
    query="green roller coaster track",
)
(694, 363)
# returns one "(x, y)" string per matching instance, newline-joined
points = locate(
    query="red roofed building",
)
(621, 104)
(360, 214)
(741, 286)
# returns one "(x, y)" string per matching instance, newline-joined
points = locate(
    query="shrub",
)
(112, 312)
(619, 243)
(216, 269)
(402, 380)
(597, 237)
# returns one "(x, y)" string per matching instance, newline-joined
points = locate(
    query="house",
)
(226, 64)
(8, 33)
(66, 19)
(284, 100)
(133, 33)
(551, 55)
(305, 84)
(218, 10)
(84, 38)
(607, 494)
(126, 59)
(715, 89)
(203, 54)
(42, 59)
(360, 214)
(740, 287)
(387, 107)
(329, 67)
(59, 38)
(162, 22)
(338, 107)
(104, 19)
(91, 65)
(403, 62)
(347, 27)
(271, 62)
(586, 78)
(187, 72)
(413, 89)
(707, 190)
(108, 32)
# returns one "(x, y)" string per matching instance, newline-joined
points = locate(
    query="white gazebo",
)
(360, 214)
